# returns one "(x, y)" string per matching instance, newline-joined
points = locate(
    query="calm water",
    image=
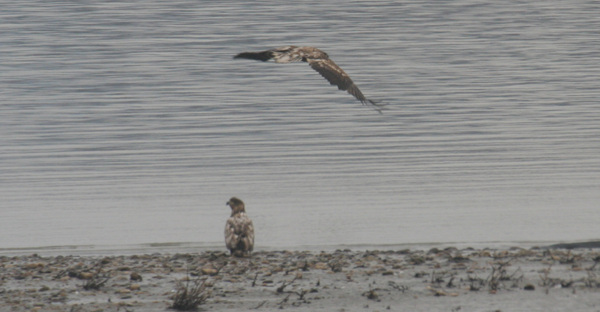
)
(127, 123)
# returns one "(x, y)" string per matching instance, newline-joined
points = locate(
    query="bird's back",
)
(239, 234)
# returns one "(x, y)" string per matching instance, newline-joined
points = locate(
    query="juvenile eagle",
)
(319, 61)
(239, 231)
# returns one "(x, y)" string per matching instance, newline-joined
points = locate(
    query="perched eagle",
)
(319, 61)
(239, 231)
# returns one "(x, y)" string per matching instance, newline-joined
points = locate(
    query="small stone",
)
(485, 253)
(31, 266)
(85, 275)
(209, 271)
(60, 294)
(529, 287)
(371, 294)
(321, 266)
(135, 277)
(134, 287)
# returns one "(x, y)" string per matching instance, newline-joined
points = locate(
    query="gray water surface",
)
(128, 123)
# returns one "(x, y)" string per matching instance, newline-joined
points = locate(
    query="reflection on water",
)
(130, 123)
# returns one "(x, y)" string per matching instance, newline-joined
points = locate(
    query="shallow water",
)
(130, 123)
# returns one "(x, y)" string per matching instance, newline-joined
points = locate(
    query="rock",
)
(85, 275)
(529, 287)
(416, 259)
(60, 294)
(371, 294)
(209, 271)
(33, 266)
(433, 250)
(135, 277)
(485, 253)
(321, 266)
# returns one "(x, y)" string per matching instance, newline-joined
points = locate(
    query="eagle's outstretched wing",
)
(319, 61)
(279, 55)
(338, 77)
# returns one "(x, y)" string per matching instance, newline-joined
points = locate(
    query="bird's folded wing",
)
(231, 238)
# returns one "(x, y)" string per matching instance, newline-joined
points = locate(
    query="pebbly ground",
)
(449, 279)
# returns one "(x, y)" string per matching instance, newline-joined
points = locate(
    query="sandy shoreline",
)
(449, 279)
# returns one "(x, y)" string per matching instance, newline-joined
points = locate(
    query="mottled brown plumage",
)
(317, 60)
(239, 230)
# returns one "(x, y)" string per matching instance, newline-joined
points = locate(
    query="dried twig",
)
(254, 280)
(190, 295)
(96, 282)
(259, 305)
(284, 284)
(285, 300)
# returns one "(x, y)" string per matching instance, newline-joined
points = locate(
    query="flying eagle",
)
(239, 231)
(319, 61)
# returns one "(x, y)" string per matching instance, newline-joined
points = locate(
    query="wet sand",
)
(449, 279)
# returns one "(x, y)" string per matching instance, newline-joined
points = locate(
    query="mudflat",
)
(448, 279)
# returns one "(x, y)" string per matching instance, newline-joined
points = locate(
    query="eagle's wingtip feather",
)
(376, 105)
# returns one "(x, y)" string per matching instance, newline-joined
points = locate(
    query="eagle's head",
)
(236, 204)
